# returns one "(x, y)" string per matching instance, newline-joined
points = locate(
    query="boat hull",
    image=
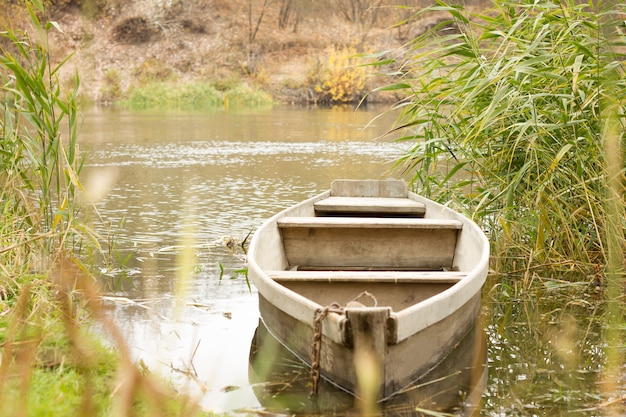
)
(407, 320)
(404, 362)
(281, 381)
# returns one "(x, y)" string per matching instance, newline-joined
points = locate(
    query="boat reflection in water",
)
(282, 383)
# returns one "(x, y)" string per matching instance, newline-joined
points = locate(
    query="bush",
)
(340, 78)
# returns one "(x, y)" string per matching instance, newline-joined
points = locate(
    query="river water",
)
(172, 180)
(180, 191)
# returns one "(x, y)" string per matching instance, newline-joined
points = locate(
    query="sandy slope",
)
(208, 40)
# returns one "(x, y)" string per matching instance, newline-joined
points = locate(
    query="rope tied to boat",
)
(316, 346)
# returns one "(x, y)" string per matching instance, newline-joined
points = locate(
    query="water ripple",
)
(174, 155)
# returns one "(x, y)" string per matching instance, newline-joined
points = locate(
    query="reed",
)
(41, 163)
(502, 116)
(615, 274)
(516, 115)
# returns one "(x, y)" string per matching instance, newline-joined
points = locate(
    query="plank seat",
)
(369, 188)
(395, 277)
(372, 206)
(367, 223)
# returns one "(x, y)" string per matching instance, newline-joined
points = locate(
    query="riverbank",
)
(300, 56)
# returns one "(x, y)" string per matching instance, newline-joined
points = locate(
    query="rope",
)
(366, 294)
(316, 345)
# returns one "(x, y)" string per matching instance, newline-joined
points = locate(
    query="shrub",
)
(340, 78)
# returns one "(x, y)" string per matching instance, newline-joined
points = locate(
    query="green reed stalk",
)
(41, 162)
(615, 203)
(615, 277)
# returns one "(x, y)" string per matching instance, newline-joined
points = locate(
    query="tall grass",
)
(50, 361)
(503, 113)
(40, 166)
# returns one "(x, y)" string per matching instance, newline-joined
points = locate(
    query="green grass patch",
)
(61, 391)
(54, 364)
(195, 96)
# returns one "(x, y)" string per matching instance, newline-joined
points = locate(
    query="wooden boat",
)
(369, 277)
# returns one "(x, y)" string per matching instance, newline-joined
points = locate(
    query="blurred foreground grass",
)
(52, 361)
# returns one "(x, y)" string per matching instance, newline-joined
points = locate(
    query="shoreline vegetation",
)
(52, 362)
(521, 125)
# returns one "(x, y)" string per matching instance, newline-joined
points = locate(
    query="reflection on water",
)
(219, 174)
(223, 172)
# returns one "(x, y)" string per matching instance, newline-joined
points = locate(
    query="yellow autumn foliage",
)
(341, 77)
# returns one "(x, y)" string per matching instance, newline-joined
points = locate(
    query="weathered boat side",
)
(404, 364)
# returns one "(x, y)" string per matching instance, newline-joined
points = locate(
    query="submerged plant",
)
(504, 117)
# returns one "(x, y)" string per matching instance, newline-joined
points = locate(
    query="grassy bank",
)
(52, 363)
(196, 96)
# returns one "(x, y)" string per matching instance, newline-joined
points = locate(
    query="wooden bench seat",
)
(369, 188)
(367, 242)
(369, 206)
(427, 277)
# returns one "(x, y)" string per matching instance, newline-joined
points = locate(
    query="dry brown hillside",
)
(276, 45)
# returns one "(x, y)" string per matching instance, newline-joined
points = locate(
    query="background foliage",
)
(272, 45)
(340, 78)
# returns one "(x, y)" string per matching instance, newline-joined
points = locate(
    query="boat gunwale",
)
(409, 320)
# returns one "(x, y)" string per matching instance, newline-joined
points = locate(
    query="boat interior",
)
(377, 251)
